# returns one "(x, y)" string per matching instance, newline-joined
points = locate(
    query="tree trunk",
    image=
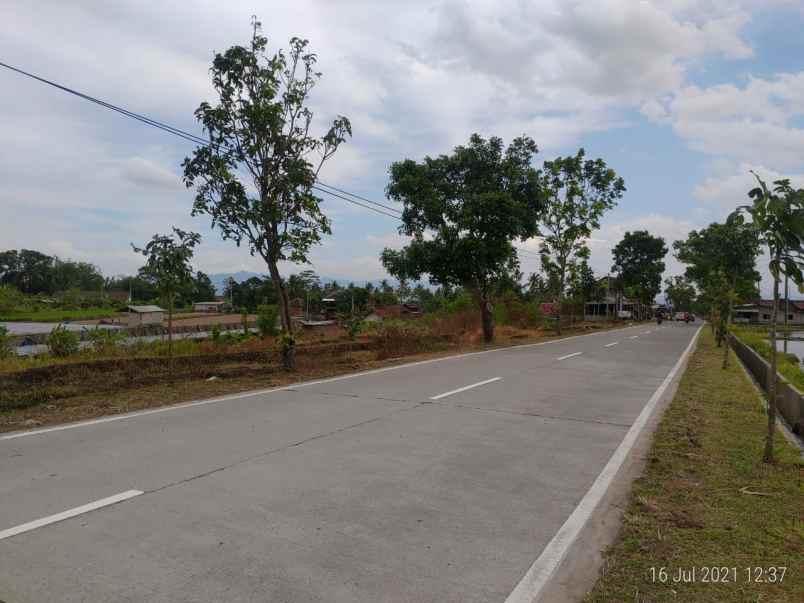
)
(728, 320)
(772, 379)
(289, 345)
(487, 318)
(170, 337)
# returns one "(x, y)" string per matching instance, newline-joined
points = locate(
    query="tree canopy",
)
(255, 178)
(639, 264)
(578, 192)
(463, 212)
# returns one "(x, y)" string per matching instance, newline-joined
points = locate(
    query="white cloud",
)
(740, 123)
(728, 187)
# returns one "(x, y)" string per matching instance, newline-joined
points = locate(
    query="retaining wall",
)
(789, 401)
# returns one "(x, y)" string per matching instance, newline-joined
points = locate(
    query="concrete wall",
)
(789, 400)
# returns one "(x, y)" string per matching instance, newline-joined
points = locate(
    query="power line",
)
(378, 207)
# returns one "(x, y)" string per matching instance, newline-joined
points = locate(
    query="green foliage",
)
(261, 129)
(167, 261)
(105, 341)
(472, 205)
(721, 261)
(679, 293)
(63, 343)
(11, 299)
(639, 264)
(578, 192)
(267, 318)
(215, 332)
(6, 348)
(353, 327)
(34, 272)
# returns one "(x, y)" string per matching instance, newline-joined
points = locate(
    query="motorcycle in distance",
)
(659, 318)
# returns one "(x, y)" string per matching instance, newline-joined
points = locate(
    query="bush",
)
(6, 349)
(215, 332)
(267, 316)
(105, 340)
(399, 337)
(62, 342)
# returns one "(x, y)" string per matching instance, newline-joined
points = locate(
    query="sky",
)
(683, 98)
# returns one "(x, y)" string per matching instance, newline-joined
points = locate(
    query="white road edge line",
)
(38, 523)
(539, 574)
(608, 345)
(262, 392)
(569, 356)
(463, 389)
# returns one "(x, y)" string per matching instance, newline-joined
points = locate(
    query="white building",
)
(760, 311)
(145, 315)
(209, 306)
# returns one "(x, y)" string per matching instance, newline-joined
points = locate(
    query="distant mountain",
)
(220, 279)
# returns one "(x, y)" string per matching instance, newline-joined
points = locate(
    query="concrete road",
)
(437, 481)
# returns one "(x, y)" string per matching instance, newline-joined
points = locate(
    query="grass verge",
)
(57, 315)
(705, 500)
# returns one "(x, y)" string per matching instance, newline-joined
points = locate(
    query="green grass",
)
(57, 315)
(789, 366)
(687, 509)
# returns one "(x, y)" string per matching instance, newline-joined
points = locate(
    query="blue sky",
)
(682, 98)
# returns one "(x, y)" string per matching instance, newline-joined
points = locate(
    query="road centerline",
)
(569, 355)
(69, 513)
(464, 388)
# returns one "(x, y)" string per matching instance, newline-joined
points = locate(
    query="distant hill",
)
(219, 280)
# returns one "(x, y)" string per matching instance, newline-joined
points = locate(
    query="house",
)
(145, 315)
(611, 306)
(406, 310)
(759, 312)
(209, 306)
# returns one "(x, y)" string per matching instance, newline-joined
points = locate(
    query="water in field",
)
(793, 347)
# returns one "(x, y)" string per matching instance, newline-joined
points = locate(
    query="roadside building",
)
(406, 310)
(760, 311)
(610, 307)
(209, 306)
(145, 315)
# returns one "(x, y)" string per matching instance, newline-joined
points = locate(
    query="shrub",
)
(105, 340)
(6, 349)
(215, 332)
(62, 342)
(399, 337)
(267, 316)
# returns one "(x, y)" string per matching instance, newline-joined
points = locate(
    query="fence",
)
(789, 401)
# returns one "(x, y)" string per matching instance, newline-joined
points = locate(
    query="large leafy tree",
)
(255, 177)
(464, 211)
(721, 260)
(777, 216)
(578, 192)
(680, 293)
(29, 270)
(167, 266)
(639, 264)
